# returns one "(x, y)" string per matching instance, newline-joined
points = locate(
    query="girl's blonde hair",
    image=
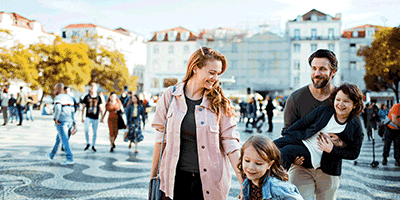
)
(218, 100)
(267, 150)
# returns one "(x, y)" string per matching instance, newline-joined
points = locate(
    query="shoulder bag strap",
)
(165, 129)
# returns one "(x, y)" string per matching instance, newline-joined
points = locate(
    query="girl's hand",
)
(299, 160)
(324, 143)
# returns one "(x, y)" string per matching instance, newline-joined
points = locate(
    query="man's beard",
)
(322, 84)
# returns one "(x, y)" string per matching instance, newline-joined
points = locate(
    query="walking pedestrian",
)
(383, 112)
(270, 113)
(113, 106)
(21, 103)
(372, 118)
(92, 104)
(29, 109)
(251, 114)
(64, 119)
(12, 107)
(392, 134)
(260, 166)
(200, 134)
(5, 97)
(313, 183)
(135, 113)
(243, 111)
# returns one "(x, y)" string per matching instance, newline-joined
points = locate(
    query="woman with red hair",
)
(200, 137)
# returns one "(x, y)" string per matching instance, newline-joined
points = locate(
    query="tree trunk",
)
(396, 93)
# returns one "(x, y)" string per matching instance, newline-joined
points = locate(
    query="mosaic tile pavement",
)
(25, 173)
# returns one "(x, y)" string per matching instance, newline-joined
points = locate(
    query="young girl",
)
(264, 176)
(326, 135)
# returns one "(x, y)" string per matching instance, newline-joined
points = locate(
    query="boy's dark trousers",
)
(291, 148)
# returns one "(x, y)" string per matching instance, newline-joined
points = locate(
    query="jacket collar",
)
(266, 189)
(180, 93)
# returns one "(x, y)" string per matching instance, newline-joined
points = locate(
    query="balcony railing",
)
(315, 38)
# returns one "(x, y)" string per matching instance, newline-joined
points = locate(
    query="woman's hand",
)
(324, 143)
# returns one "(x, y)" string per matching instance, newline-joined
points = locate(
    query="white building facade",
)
(130, 44)
(22, 30)
(308, 33)
(168, 54)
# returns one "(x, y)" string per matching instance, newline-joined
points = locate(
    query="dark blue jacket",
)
(312, 123)
(140, 114)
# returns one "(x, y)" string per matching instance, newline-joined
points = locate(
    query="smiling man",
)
(312, 183)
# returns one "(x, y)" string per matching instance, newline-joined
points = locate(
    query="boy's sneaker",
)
(93, 149)
(87, 147)
(384, 161)
(49, 158)
(67, 162)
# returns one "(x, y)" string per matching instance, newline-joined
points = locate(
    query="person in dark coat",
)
(135, 114)
(372, 118)
(270, 108)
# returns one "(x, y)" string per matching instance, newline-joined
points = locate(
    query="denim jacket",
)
(64, 108)
(140, 114)
(274, 189)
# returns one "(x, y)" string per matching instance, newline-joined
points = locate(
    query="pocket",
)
(214, 129)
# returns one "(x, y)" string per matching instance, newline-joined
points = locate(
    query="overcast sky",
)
(146, 16)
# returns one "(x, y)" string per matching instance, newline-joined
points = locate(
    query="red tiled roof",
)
(22, 22)
(192, 36)
(81, 26)
(307, 16)
(348, 33)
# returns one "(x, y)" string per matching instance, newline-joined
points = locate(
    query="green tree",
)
(62, 62)
(382, 61)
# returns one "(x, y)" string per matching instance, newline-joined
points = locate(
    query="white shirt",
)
(312, 143)
(4, 99)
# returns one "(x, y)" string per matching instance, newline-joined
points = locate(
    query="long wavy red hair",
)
(217, 98)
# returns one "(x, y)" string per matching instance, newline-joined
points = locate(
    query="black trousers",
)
(270, 125)
(291, 148)
(392, 136)
(188, 186)
(21, 112)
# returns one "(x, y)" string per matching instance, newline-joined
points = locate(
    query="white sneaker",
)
(67, 162)
(49, 158)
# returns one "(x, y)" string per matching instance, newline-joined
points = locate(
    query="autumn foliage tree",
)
(382, 61)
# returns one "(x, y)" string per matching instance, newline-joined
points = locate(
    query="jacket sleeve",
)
(128, 114)
(229, 136)
(287, 193)
(161, 113)
(57, 108)
(143, 115)
(303, 123)
(353, 148)
(290, 114)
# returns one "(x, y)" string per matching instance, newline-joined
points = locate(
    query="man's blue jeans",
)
(95, 123)
(62, 136)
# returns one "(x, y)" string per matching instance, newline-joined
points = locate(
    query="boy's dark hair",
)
(355, 95)
(325, 53)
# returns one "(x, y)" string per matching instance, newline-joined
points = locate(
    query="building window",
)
(186, 49)
(296, 80)
(331, 47)
(156, 49)
(155, 83)
(169, 81)
(296, 64)
(64, 34)
(155, 64)
(353, 48)
(314, 47)
(171, 49)
(352, 65)
(297, 48)
(370, 33)
(170, 64)
(313, 33)
(331, 33)
(355, 34)
(314, 17)
(297, 33)
(234, 48)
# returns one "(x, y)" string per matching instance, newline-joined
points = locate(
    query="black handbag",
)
(154, 190)
(121, 122)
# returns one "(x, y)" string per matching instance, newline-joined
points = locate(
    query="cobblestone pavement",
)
(25, 173)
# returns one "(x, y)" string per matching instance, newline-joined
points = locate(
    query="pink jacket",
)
(214, 142)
